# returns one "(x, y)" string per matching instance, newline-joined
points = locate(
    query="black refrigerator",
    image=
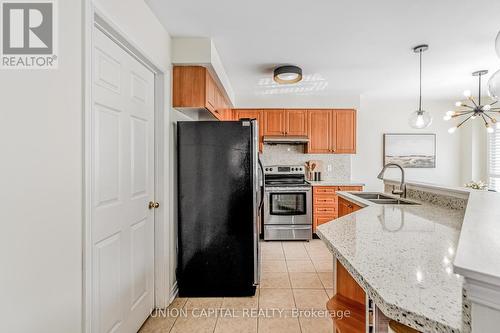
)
(219, 203)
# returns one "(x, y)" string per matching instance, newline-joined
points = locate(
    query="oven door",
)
(287, 206)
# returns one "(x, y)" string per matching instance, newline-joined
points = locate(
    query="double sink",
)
(382, 199)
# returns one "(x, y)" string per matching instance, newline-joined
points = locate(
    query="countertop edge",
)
(392, 311)
(476, 260)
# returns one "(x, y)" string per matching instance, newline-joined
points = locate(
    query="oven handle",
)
(288, 227)
(288, 190)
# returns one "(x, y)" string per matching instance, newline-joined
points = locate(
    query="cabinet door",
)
(350, 188)
(345, 131)
(344, 207)
(274, 122)
(228, 113)
(319, 220)
(296, 122)
(189, 87)
(211, 93)
(252, 114)
(219, 105)
(320, 131)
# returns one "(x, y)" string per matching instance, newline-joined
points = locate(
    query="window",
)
(494, 161)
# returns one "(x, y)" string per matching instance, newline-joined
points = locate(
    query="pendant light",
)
(475, 109)
(420, 119)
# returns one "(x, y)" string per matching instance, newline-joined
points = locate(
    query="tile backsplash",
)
(282, 154)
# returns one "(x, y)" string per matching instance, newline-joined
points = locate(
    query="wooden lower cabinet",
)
(325, 203)
(349, 297)
(346, 207)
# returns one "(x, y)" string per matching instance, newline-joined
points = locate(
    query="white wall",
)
(379, 116)
(297, 100)
(41, 141)
(41, 189)
(473, 141)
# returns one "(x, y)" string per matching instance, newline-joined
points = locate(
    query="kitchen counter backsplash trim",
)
(442, 200)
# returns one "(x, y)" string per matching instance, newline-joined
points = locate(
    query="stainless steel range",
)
(287, 203)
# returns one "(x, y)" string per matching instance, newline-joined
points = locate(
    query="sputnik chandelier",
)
(475, 109)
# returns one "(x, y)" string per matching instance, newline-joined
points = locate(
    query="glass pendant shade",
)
(420, 119)
(497, 44)
(494, 84)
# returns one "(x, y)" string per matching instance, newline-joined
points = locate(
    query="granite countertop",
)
(335, 183)
(402, 256)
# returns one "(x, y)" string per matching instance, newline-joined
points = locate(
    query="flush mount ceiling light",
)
(476, 110)
(287, 74)
(420, 119)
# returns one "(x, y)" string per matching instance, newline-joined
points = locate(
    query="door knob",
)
(153, 204)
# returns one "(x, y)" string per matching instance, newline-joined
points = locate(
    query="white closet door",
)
(122, 186)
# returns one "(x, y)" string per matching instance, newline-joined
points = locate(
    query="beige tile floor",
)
(295, 275)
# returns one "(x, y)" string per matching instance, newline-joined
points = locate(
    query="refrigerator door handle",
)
(261, 190)
(255, 160)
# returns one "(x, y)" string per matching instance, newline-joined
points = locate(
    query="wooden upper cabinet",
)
(296, 122)
(189, 87)
(195, 88)
(346, 132)
(274, 122)
(285, 122)
(332, 131)
(252, 114)
(320, 131)
(211, 92)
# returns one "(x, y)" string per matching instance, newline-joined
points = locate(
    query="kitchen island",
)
(402, 257)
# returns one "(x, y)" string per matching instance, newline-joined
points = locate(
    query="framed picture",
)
(410, 150)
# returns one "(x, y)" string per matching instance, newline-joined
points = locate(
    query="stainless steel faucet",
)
(402, 187)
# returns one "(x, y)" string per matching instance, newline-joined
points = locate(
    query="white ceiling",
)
(344, 46)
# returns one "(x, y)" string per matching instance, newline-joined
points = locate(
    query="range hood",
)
(289, 139)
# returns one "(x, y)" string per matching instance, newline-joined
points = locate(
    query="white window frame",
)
(488, 155)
